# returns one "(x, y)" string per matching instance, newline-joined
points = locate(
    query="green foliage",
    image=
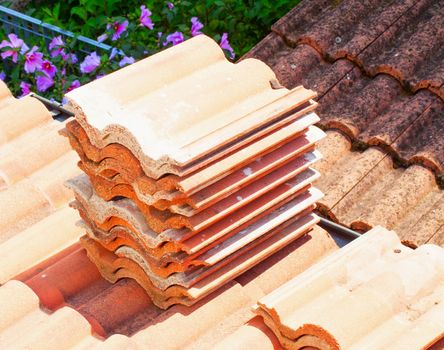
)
(246, 22)
(118, 23)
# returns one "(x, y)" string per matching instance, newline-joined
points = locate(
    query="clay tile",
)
(375, 272)
(204, 127)
(37, 243)
(32, 114)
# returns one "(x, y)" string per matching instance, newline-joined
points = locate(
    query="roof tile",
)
(404, 285)
(364, 190)
(377, 67)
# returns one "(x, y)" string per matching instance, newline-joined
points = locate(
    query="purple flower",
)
(118, 28)
(113, 54)
(225, 44)
(26, 88)
(90, 63)
(2, 75)
(33, 60)
(175, 38)
(126, 60)
(196, 26)
(102, 37)
(44, 82)
(170, 5)
(49, 69)
(69, 57)
(100, 75)
(74, 85)
(145, 17)
(56, 46)
(14, 44)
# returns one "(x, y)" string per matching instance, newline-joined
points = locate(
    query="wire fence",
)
(28, 27)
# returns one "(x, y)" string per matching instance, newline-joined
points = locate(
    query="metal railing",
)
(27, 27)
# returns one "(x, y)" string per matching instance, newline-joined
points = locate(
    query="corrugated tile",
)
(38, 242)
(154, 327)
(411, 49)
(121, 175)
(32, 114)
(208, 120)
(375, 272)
(24, 325)
(378, 68)
(364, 190)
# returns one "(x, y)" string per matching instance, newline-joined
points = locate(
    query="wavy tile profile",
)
(173, 196)
(213, 106)
(394, 297)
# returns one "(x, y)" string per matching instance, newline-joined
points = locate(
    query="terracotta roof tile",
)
(176, 327)
(364, 190)
(206, 129)
(411, 49)
(33, 114)
(377, 67)
(375, 272)
(38, 242)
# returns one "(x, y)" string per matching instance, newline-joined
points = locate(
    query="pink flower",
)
(126, 60)
(118, 28)
(90, 63)
(26, 88)
(196, 26)
(44, 82)
(33, 60)
(56, 46)
(2, 75)
(145, 17)
(74, 85)
(49, 69)
(175, 38)
(14, 44)
(225, 44)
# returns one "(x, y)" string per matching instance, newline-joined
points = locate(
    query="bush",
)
(135, 30)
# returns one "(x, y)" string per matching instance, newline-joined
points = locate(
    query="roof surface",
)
(58, 296)
(378, 69)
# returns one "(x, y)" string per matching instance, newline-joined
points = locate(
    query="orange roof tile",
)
(375, 272)
(206, 123)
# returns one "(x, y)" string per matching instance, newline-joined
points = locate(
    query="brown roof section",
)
(373, 293)
(365, 189)
(377, 67)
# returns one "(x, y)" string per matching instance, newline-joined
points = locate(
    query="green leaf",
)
(79, 11)
(56, 10)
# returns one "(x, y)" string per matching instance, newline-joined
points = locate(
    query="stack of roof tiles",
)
(196, 169)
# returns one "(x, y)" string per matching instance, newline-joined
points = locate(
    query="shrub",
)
(134, 30)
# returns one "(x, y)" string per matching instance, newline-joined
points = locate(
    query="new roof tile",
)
(120, 174)
(210, 119)
(375, 272)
